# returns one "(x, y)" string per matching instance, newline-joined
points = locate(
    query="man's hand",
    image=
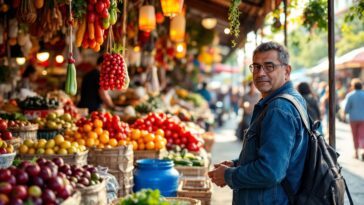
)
(217, 175)
(228, 163)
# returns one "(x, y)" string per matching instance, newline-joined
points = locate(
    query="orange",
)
(149, 137)
(108, 146)
(150, 145)
(77, 135)
(68, 132)
(122, 143)
(104, 139)
(23, 149)
(90, 142)
(143, 133)
(97, 142)
(160, 132)
(135, 145)
(113, 142)
(158, 138)
(98, 123)
(135, 134)
(100, 146)
(98, 130)
(81, 141)
(140, 141)
(141, 146)
(105, 132)
(92, 135)
(87, 127)
(159, 145)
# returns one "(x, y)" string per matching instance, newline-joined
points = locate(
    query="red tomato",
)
(175, 135)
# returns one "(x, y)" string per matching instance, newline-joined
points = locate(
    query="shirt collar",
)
(287, 86)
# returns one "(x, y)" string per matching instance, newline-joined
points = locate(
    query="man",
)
(275, 145)
(355, 108)
(92, 95)
(205, 93)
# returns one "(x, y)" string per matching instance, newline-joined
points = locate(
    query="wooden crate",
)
(125, 180)
(72, 159)
(118, 158)
(94, 195)
(184, 200)
(200, 189)
(189, 171)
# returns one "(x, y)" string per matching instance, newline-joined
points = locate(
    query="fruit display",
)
(101, 130)
(4, 133)
(174, 131)
(58, 145)
(151, 105)
(5, 148)
(114, 73)
(56, 121)
(38, 103)
(144, 140)
(34, 183)
(13, 116)
(184, 158)
(11, 106)
(145, 196)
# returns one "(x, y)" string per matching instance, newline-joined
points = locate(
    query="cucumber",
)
(182, 162)
(71, 81)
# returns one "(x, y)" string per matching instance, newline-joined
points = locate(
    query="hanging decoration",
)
(71, 81)
(177, 28)
(147, 21)
(114, 72)
(171, 8)
(181, 50)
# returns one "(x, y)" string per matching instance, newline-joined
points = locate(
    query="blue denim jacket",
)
(258, 172)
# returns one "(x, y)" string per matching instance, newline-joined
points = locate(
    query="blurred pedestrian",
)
(355, 108)
(205, 93)
(28, 77)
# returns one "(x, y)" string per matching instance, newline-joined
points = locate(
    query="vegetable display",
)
(114, 73)
(38, 103)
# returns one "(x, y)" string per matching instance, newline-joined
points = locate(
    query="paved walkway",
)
(228, 147)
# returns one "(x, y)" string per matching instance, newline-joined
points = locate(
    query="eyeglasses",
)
(269, 67)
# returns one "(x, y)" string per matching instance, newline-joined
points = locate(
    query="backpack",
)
(321, 182)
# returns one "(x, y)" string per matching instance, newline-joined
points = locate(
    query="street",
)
(227, 147)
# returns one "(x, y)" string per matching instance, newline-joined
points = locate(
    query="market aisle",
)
(228, 147)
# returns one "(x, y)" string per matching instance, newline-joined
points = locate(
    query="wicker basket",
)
(184, 200)
(75, 199)
(94, 195)
(118, 158)
(6, 160)
(200, 189)
(26, 132)
(48, 133)
(148, 154)
(188, 171)
(72, 159)
(16, 142)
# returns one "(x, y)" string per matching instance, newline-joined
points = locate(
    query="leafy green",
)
(144, 197)
(315, 15)
(79, 9)
(356, 11)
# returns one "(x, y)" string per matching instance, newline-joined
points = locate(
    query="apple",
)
(66, 168)
(36, 200)
(45, 173)
(21, 177)
(16, 201)
(41, 161)
(84, 181)
(5, 187)
(3, 125)
(37, 180)
(86, 174)
(7, 135)
(3, 151)
(11, 180)
(48, 196)
(4, 174)
(19, 192)
(55, 183)
(34, 191)
(58, 161)
(65, 192)
(24, 164)
(33, 170)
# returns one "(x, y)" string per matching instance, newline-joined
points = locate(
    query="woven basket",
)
(118, 158)
(200, 189)
(16, 142)
(94, 195)
(48, 133)
(75, 199)
(26, 132)
(148, 154)
(72, 159)
(6, 160)
(183, 200)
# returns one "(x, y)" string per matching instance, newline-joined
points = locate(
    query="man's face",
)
(268, 82)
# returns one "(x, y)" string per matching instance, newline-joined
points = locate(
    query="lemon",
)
(31, 151)
(41, 143)
(40, 151)
(65, 144)
(50, 144)
(72, 150)
(62, 151)
(56, 148)
(49, 151)
(28, 143)
(59, 139)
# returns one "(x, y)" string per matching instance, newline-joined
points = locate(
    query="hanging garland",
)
(234, 22)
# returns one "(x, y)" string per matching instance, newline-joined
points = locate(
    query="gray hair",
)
(283, 55)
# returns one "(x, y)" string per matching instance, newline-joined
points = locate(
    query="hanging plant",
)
(356, 11)
(234, 23)
(315, 15)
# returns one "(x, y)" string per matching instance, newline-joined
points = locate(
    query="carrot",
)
(80, 32)
(91, 31)
(98, 32)
(92, 43)
(85, 43)
(97, 47)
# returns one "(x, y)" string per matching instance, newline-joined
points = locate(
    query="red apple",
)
(55, 183)
(4, 174)
(7, 135)
(45, 173)
(19, 192)
(33, 170)
(37, 180)
(58, 161)
(48, 196)
(3, 151)
(3, 125)
(16, 202)
(5, 187)
(12, 180)
(21, 177)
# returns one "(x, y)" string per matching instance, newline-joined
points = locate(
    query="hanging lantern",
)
(177, 28)
(147, 18)
(181, 50)
(171, 7)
